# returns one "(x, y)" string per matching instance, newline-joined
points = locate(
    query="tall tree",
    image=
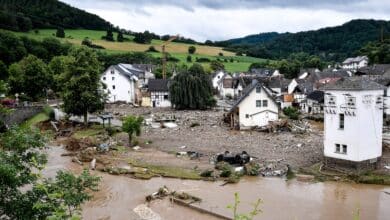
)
(82, 93)
(216, 65)
(192, 89)
(109, 36)
(30, 76)
(191, 49)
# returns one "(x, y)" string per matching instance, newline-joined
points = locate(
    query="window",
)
(104, 78)
(258, 103)
(113, 78)
(341, 122)
(337, 148)
(258, 89)
(344, 149)
(165, 97)
(246, 115)
(265, 103)
(113, 87)
(112, 71)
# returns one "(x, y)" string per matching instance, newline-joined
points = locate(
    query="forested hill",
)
(24, 15)
(332, 43)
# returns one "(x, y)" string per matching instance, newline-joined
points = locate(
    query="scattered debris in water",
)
(146, 213)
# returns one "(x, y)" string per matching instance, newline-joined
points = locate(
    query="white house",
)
(353, 120)
(159, 92)
(121, 84)
(314, 103)
(216, 78)
(354, 63)
(255, 108)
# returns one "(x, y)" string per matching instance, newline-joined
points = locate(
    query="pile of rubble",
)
(295, 126)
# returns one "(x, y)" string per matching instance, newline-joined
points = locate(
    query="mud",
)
(119, 195)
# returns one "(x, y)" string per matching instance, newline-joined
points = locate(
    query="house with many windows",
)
(159, 92)
(353, 120)
(255, 108)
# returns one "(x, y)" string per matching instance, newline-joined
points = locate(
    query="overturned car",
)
(234, 159)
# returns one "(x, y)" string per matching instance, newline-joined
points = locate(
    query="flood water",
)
(282, 199)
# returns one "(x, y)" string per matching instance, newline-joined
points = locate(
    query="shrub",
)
(252, 169)
(203, 60)
(191, 49)
(206, 173)
(152, 49)
(291, 113)
(226, 169)
(49, 111)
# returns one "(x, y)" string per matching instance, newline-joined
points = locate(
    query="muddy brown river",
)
(119, 195)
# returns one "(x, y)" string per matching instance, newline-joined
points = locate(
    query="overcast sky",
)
(226, 19)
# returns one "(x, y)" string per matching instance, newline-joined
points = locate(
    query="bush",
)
(252, 169)
(206, 173)
(226, 169)
(291, 113)
(203, 60)
(49, 111)
(152, 49)
(191, 49)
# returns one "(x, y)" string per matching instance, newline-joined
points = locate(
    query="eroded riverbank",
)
(119, 195)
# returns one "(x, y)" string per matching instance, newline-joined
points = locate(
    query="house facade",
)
(255, 108)
(314, 103)
(354, 63)
(353, 120)
(159, 93)
(121, 85)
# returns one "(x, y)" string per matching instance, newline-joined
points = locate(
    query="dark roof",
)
(262, 72)
(247, 91)
(316, 95)
(354, 83)
(314, 77)
(158, 85)
(376, 69)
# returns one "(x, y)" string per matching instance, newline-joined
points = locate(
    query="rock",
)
(145, 213)
(304, 178)
(182, 147)
(76, 160)
(136, 148)
(93, 164)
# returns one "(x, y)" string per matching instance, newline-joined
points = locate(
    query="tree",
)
(58, 67)
(216, 65)
(143, 38)
(189, 59)
(82, 93)
(191, 89)
(191, 49)
(132, 126)
(3, 71)
(377, 52)
(60, 32)
(109, 36)
(120, 37)
(30, 76)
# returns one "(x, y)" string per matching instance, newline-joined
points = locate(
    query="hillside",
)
(176, 50)
(332, 43)
(24, 15)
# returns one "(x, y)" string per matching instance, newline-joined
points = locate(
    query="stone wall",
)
(351, 165)
(20, 114)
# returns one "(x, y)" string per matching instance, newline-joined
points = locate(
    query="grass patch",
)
(373, 178)
(36, 119)
(89, 132)
(165, 171)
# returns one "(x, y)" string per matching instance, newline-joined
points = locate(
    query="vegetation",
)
(109, 36)
(191, 49)
(331, 44)
(24, 15)
(82, 93)
(191, 89)
(291, 113)
(143, 38)
(249, 216)
(216, 65)
(132, 126)
(60, 32)
(377, 52)
(21, 159)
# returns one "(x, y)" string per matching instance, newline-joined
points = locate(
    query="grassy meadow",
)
(177, 50)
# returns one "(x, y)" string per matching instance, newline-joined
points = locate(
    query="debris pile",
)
(296, 126)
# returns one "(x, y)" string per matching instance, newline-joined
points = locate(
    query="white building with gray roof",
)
(353, 120)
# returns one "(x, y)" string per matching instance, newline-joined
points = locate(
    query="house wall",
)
(125, 88)
(312, 107)
(216, 78)
(362, 133)
(291, 86)
(160, 99)
(248, 107)
(387, 101)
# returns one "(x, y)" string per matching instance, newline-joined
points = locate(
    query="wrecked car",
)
(239, 159)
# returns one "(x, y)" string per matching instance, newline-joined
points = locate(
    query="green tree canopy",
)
(132, 126)
(377, 52)
(192, 89)
(82, 92)
(30, 76)
(60, 32)
(191, 49)
(216, 65)
(120, 37)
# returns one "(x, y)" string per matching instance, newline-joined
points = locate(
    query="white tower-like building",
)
(353, 120)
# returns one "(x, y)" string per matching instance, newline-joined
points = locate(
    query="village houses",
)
(159, 92)
(354, 63)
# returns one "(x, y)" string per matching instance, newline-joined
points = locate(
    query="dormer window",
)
(104, 78)
(258, 89)
(112, 71)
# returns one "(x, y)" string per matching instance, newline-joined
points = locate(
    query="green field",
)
(177, 50)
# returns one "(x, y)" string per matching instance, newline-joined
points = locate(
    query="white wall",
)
(216, 78)
(362, 133)
(158, 99)
(291, 86)
(387, 101)
(248, 106)
(124, 87)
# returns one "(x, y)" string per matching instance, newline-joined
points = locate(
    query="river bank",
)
(119, 195)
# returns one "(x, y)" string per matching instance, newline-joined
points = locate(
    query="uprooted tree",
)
(82, 91)
(191, 89)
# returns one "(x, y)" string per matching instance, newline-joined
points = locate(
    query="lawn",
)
(178, 50)
(32, 122)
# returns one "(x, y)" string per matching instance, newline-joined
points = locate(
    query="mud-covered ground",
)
(213, 136)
